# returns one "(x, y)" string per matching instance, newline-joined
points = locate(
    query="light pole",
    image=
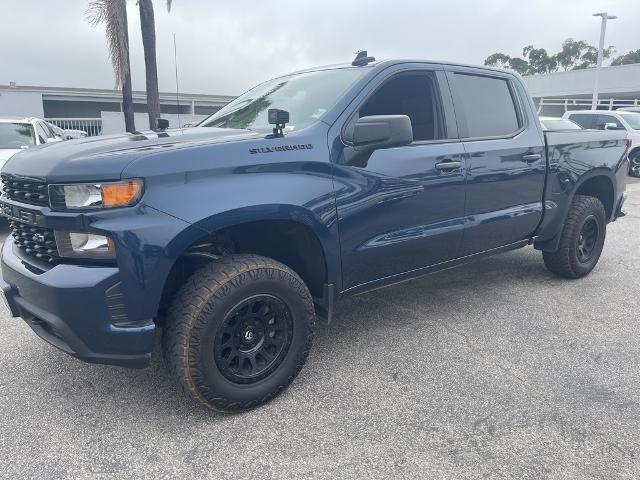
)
(603, 28)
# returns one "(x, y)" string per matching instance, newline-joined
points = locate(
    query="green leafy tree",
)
(500, 60)
(571, 53)
(590, 57)
(574, 55)
(539, 60)
(627, 58)
(519, 65)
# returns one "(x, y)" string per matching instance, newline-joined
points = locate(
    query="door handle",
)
(531, 157)
(448, 165)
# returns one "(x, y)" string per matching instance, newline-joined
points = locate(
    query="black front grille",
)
(36, 242)
(25, 190)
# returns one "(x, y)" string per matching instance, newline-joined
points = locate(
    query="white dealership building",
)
(558, 92)
(100, 111)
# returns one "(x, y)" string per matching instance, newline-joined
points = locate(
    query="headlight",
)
(92, 196)
(84, 245)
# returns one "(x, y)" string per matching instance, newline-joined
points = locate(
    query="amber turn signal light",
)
(121, 194)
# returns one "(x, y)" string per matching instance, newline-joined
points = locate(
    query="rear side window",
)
(604, 119)
(584, 119)
(486, 105)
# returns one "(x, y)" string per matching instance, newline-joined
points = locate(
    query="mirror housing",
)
(382, 131)
(612, 126)
(163, 124)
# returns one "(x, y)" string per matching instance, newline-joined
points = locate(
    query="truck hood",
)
(6, 154)
(105, 157)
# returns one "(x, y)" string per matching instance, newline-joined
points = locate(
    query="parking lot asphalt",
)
(493, 370)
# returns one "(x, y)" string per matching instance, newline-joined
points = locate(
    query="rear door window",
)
(604, 119)
(485, 106)
(585, 120)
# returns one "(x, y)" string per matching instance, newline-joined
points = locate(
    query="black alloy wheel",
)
(587, 239)
(253, 339)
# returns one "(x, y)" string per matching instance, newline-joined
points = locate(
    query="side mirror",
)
(382, 131)
(163, 124)
(612, 126)
(53, 140)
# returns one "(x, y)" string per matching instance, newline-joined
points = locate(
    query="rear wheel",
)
(239, 332)
(582, 239)
(634, 164)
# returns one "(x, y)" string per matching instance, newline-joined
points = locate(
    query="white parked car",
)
(66, 133)
(57, 131)
(629, 109)
(555, 123)
(614, 120)
(16, 134)
(71, 134)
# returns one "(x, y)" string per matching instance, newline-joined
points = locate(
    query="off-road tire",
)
(565, 261)
(197, 313)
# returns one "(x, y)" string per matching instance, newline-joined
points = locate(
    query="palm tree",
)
(148, 29)
(113, 14)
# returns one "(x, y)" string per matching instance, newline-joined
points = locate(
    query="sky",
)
(225, 47)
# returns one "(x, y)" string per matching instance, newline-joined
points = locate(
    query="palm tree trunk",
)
(148, 28)
(127, 93)
(127, 104)
(113, 14)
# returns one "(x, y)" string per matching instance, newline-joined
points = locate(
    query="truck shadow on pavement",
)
(370, 316)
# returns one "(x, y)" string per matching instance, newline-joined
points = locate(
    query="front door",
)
(401, 209)
(505, 159)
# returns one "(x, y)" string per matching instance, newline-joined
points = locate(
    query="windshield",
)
(16, 135)
(633, 119)
(560, 124)
(306, 96)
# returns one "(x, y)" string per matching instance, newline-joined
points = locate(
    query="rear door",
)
(505, 158)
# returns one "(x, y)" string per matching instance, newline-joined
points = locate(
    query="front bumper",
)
(75, 308)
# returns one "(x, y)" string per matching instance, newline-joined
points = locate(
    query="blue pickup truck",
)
(229, 238)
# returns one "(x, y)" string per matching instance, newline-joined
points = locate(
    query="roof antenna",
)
(362, 59)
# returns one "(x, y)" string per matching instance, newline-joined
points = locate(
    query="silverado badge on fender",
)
(281, 148)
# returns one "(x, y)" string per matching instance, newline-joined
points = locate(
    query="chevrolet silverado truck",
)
(229, 238)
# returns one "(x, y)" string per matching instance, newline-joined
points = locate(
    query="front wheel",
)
(582, 239)
(238, 332)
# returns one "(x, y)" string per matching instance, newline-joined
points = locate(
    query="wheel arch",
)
(290, 234)
(598, 183)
